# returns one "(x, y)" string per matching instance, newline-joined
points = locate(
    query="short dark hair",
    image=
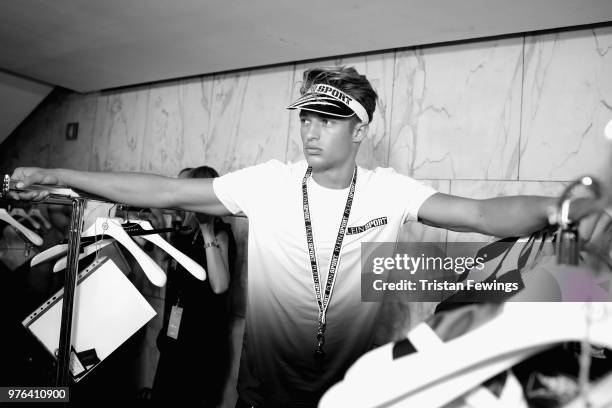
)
(348, 80)
(203, 172)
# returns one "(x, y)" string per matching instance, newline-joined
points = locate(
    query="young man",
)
(306, 223)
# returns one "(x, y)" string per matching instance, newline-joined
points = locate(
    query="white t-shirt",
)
(278, 365)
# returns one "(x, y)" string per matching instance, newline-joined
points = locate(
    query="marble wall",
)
(482, 110)
(514, 115)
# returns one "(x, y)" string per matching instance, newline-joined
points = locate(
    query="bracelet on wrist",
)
(211, 244)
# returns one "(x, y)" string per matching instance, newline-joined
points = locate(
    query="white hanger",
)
(20, 212)
(189, 264)
(112, 227)
(59, 249)
(49, 253)
(29, 234)
(35, 213)
(423, 337)
(397, 380)
(437, 394)
(88, 250)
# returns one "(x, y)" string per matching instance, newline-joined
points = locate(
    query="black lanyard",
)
(323, 301)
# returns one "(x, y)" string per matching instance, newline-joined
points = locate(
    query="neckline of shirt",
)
(313, 183)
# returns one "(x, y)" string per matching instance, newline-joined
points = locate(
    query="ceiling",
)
(93, 45)
(19, 97)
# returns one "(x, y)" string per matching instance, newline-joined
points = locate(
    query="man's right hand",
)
(26, 176)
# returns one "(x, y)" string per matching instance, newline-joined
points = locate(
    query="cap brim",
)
(322, 104)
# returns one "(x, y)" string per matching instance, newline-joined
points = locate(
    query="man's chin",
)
(315, 161)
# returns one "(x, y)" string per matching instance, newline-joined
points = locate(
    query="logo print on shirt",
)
(376, 222)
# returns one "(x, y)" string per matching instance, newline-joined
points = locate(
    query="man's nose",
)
(314, 132)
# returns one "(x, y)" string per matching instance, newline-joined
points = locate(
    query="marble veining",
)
(196, 97)
(248, 119)
(120, 127)
(456, 110)
(567, 100)
(163, 142)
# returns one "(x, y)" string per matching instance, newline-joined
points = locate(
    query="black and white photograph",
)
(278, 204)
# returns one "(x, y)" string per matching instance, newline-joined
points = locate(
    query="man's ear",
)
(360, 131)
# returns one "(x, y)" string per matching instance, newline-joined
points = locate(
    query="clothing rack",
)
(78, 200)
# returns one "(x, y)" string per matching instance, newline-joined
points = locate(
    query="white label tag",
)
(175, 322)
(75, 364)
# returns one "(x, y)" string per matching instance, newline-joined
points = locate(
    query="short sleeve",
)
(243, 190)
(409, 194)
(416, 194)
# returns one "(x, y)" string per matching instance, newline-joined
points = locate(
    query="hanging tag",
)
(76, 366)
(175, 322)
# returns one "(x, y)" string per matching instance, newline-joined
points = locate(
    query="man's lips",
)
(312, 150)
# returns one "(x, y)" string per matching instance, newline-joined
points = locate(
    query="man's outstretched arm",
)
(136, 189)
(499, 216)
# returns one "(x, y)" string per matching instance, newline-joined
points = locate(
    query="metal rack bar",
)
(70, 278)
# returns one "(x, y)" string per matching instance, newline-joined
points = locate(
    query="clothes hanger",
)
(35, 213)
(20, 212)
(48, 254)
(446, 391)
(189, 264)
(86, 248)
(138, 228)
(29, 234)
(61, 248)
(112, 227)
(436, 394)
(88, 237)
(398, 379)
(424, 338)
(86, 251)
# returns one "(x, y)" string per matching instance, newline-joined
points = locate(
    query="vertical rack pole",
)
(74, 241)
